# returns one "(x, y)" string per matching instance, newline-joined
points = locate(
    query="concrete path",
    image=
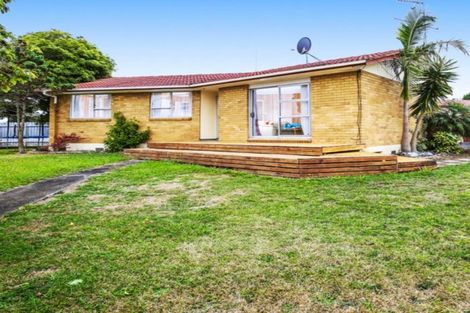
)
(456, 161)
(17, 197)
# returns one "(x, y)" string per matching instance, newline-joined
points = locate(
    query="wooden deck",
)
(293, 161)
(263, 148)
(412, 164)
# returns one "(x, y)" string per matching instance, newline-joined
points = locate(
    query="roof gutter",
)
(218, 82)
(47, 94)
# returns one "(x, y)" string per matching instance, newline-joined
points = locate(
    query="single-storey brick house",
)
(343, 101)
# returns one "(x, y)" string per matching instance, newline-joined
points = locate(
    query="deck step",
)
(262, 148)
(286, 165)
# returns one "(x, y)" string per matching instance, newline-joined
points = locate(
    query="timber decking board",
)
(288, 165)
(406, 164)
(265, 148)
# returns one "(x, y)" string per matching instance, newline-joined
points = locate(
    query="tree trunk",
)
(414, 137)
(20, 116)
(405, 136)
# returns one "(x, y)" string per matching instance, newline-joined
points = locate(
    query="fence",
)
(35, 135)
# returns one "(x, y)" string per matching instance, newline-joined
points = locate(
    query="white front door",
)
(209, 117)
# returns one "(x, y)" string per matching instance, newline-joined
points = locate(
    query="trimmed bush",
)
(124, 134)
(443, 142)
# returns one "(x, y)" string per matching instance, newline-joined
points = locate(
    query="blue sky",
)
(151, 37)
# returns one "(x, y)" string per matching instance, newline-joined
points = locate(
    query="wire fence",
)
(35, 135)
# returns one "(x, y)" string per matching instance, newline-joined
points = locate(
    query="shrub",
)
(423, 145)
(455, 119)
(62, 141)
(443, 142)
(124, 134)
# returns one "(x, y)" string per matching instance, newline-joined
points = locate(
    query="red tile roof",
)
(191, 80)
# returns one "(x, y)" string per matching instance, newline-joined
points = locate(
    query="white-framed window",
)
(171, 105)
(94, 106)
(280, 110)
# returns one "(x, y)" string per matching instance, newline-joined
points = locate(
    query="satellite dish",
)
(304, 45)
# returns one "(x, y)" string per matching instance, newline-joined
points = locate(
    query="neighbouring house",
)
(352, 100)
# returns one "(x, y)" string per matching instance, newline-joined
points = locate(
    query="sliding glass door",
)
(280, 111)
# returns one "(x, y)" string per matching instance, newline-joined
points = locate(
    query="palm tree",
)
(411, 35)
(433, 80)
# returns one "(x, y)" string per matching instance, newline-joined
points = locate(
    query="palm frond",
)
(446, 44)
(412, 30)
(393, 67)
(432, 84)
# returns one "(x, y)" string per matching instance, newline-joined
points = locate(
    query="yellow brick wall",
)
(132, 105)
(334, 108)
(233, 114)
(333, 105)
(382, 110)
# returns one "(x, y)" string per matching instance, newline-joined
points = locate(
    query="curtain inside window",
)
(102, 106)
(182, 104)
(82, 106)
(169, 105)
(91, 106)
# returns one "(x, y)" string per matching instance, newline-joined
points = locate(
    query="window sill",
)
(89, 119)
(170, 118)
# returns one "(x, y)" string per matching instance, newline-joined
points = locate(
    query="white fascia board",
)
(127, 89)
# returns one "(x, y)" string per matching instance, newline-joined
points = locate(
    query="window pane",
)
(295, 126)
(161, 112)
(161, 100)
(102, 114)
(167, 104)
(291, 108)
(266, 109)
(82, 106)
(290, 117)
(295, 92)
(102, 101)
(102, 106)
(182, 104)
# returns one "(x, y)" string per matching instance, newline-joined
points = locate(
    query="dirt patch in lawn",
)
(199, 189)
(97, 197)
(170, 186)
(42, 273)
(34, 226)
(215, 201)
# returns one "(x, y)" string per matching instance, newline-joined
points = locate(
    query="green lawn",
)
(160, 236)
(17, 170)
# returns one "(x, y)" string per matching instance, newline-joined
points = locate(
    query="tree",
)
(433, 80)
(11, 71)
(23, 97)
(4, 6)
(411, 35)
(69, 59)
(55, 61)
(466, 96)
